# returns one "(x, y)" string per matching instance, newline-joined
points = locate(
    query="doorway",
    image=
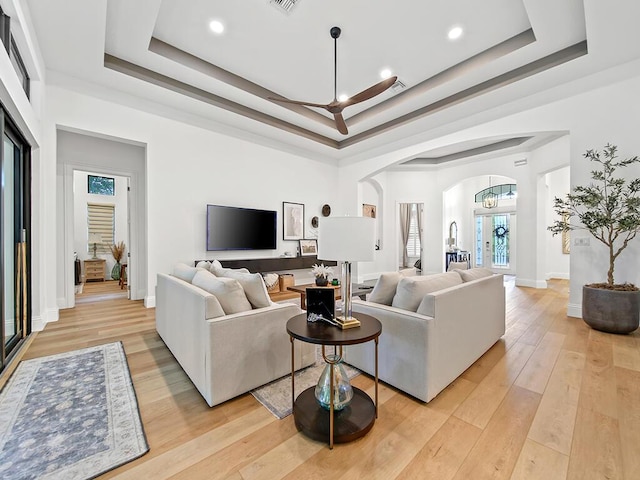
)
(494, 248)
(101, 212)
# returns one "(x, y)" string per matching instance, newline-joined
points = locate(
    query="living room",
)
(196, 153)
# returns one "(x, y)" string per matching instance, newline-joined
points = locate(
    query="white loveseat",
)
(440, 325)
(225, 354)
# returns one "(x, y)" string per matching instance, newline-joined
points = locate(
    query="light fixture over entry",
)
(489, 199)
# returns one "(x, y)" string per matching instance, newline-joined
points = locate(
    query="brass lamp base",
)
(347, 322)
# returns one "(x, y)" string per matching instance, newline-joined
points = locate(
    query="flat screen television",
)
(233, 228)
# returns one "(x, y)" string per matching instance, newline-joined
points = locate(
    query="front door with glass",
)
(493, 246)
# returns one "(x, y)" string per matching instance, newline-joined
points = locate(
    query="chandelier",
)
(489, 199)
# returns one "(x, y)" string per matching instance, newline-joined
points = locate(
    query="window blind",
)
(101, 220)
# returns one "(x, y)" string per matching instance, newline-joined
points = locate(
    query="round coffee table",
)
(357, 418)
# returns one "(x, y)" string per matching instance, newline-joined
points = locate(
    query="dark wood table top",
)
(323, 333)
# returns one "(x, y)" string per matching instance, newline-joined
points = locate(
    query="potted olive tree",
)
(609, 209)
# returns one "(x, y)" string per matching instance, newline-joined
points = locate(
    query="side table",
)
(357, 418)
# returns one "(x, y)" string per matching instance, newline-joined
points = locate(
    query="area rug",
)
(70, 416)
(276, 396)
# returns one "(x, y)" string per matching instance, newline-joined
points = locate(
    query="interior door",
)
(493, 246)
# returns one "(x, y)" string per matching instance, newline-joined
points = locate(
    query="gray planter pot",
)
(610, 310)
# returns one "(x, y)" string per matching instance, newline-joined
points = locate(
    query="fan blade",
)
(296, 102)
(370, 92)
(340, 123)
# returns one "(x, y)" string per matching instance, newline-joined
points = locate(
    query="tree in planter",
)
(608, 208)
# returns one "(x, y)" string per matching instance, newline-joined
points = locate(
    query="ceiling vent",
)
(519, 163)
(284, 5)
(398, 86)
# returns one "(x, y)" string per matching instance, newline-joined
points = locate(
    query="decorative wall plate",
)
(326, 210)
(314, 222)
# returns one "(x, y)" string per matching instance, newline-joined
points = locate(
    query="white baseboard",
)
(150, 302)
(37, 324)
(574, 310)
(526, 282)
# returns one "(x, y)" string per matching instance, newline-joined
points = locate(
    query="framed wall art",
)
(292, 221)
(308, 247)
(368, 210)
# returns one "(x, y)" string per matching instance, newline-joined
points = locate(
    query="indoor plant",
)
(322, 274)
(609, 209)
(117, 250)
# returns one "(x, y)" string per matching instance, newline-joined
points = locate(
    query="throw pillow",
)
(385, 288)
(204, 264)
(228, 291)
(411, 290)
(474, 274)
(184, 272)
(253, 286)
(218, 270)
(457, 266)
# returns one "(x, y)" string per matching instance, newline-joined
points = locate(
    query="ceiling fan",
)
(336, 107)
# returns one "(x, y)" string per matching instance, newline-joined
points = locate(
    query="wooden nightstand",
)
(94, 270)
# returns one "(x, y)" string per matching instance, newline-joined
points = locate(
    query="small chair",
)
(123, 275)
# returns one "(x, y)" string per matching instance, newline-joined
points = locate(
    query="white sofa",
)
(429, 339)
(225, 355)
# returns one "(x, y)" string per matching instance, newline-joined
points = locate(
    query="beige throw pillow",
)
(228, 291)
(253, 286)
(474, 274)
(457, 266)
(411, 290)
(385, 288)
(184, 272)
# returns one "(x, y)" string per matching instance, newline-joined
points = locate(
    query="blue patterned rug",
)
(70, 416)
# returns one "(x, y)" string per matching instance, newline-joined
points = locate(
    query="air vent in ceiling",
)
(284, 5)
(519, 163)
(398, 86)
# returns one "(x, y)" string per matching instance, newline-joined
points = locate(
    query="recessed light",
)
(216, 26)
(385, 73)
(343, 97)
(455, 33)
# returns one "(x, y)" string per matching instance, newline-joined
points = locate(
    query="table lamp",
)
(347, 240)
(95, 238)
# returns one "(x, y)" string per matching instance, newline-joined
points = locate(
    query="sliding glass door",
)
(14, 215)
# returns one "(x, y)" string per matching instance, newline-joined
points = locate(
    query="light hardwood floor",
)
(552, 400)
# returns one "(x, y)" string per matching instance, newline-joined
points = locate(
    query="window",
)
(101, 220)
(413, 245)
(101, 185)
(13, 52)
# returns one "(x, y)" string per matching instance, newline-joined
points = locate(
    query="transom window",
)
(101, 185)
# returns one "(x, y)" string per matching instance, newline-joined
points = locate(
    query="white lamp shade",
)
(95, 238)
(349, 239)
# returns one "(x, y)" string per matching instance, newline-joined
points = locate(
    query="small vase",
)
(322, 281)
(342, 389)
(115, 271)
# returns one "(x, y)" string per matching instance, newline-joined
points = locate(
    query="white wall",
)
(81, 199)
(186, 169)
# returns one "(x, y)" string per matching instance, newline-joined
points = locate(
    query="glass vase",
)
(115, 271)
(342, 389)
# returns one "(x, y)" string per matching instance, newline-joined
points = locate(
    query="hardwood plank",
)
(443, 454)
(555, 419)
(495, 453)
(537, 462)
(626, 351)
(536, 372)
(628, 394)
(481, 404)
